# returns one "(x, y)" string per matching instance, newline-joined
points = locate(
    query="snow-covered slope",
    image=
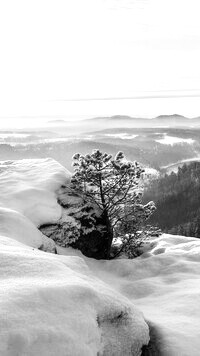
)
(165, 284)
(53, 304)
(70, 305)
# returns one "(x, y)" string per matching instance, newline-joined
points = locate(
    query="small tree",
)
(112, 185)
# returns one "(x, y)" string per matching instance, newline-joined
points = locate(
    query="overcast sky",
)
(55, 51)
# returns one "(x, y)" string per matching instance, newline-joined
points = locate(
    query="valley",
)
(158, 147)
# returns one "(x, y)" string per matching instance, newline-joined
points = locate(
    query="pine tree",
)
(112, 185)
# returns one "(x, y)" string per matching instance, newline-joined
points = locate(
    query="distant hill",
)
(174, 120)
(75, 127)
(174, 116)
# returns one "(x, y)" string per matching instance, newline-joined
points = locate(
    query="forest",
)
(177, 198)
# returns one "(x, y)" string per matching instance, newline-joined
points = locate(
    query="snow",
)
(171, 140)
(53, 304)
(18, 227)
(165, 284)
(67, 304)
(150, 173)
(29, 186)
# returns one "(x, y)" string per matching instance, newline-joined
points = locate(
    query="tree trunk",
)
(109, 230)
(96, 244)
(109, 235)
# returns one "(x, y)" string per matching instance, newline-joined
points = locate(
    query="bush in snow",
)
(131, 244)
(112, 187)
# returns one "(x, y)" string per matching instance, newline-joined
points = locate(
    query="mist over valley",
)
(162, 143)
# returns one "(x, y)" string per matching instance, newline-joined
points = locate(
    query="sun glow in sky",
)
(53, 51)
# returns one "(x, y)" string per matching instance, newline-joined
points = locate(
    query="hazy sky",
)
(54, 51)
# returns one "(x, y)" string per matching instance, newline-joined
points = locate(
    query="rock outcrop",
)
(87, 233)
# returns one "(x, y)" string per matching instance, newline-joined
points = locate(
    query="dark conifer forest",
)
(177, 197)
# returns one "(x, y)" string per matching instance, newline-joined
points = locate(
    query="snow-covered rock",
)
(67, 304)
(20, 228)
(29, 193)
(30, 187)
(54, 305)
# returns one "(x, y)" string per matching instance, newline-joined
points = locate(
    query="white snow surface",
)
(29, 186)
(69, 305)
(165, 284)
(17, 226)
(53, 304)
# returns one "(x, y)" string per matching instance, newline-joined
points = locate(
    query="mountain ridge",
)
(163, 116)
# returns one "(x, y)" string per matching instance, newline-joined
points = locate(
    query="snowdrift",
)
(70, 305)
(165, 284)
(53, 304)
(30, 187)
(18, 227)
